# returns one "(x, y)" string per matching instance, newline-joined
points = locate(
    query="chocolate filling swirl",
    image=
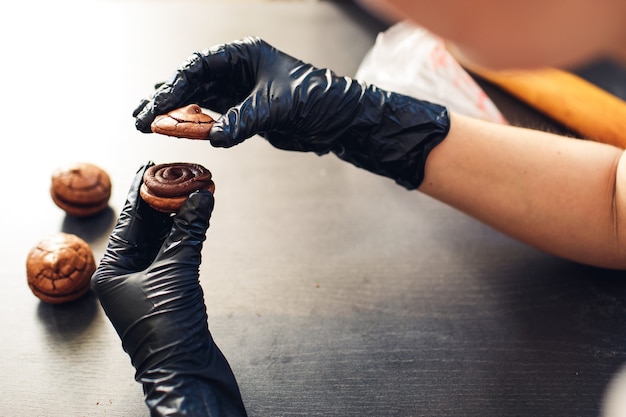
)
(176, 179)
(166, 186)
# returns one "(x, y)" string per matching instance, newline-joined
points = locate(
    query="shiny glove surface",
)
(296, 106)
(148, 285)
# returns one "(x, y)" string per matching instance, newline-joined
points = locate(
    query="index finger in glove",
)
(138, 233)
(216, 78)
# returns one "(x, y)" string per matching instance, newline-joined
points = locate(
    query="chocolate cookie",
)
(186, 122)
(81, 189)
(166, 186)
(59, 268)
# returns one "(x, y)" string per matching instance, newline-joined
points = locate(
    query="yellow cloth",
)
(576, 103)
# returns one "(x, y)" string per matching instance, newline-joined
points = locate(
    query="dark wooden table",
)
(333, 292)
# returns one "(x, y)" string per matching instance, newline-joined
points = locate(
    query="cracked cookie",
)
(59, 268)
(185, 122)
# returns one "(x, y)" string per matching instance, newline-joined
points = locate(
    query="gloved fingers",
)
(302, 113)
(146, 111)
(241, 122)
(256, 115)
(138, 233)
(193, 82)
(181, 250)
(143, 103)
(133, 197)
(125, 230)
(163, 100)
(143, 122)
(216, 78)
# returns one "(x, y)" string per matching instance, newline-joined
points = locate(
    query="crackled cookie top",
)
(59, 268)
(185, 122)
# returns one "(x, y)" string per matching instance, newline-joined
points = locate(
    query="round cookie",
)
(59, 268)
(81, 189)
(166, 186)
(185, 122)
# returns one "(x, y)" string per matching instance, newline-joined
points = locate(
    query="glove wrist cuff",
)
(393, 136)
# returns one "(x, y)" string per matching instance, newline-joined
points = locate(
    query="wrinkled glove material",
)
(148, 285)
(296, 106)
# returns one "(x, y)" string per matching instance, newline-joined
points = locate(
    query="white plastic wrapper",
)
(410, 60)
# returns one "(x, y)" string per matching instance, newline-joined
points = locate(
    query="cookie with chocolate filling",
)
(166, 186)
(81, 189)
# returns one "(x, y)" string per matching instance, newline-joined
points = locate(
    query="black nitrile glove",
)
(147, 283)
(298, 107)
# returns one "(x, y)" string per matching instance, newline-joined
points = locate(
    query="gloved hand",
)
(260, 90)
(147, 283)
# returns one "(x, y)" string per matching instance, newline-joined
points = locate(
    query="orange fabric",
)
(576, 103)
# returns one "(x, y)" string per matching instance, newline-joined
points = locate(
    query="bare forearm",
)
(562, 195)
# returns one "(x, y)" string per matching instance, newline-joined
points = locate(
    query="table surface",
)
(333, 292)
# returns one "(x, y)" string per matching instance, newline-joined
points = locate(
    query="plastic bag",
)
(410, 60)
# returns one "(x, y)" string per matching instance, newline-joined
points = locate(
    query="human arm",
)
(559, 194)
(147, 283)
(563, 195)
